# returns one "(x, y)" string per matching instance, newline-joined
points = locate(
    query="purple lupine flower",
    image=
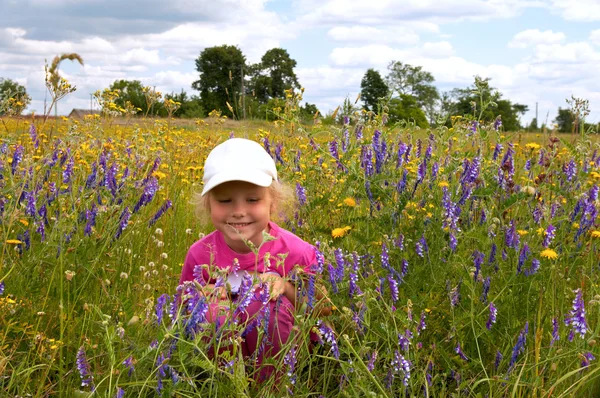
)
(404, 341)
(278, 150)
(345, 140)
(90, 182)
(570, 170)
(576, 316)
(421, 326)
(301, 194)
(497, 151)
(367, 160)
(404, 267)
(511, 237)
(160, 307)
(30, 209)
(33, 136)
(329, 337)
(434, 171)
(519, 347)
(290, 361)
(87, 380)
(120, 393)
(368, 191)
(486, 289)
(453, 242)
(123, 221)
(401, 151)
(555, 335)
(492, 319)
(535, 266)
(523, 254)
(90, 216)
(149, 191)
(354, 289)
(586, 358)
(385, 257)
(2, 288)
(498, 123)
(401, 186)
(341, 265)
(68, 171)
(17, 158)
(455, 295)
(129, 364)
(460, 352)
(528, 165)
(492, 257)
(333, 149)
(199, 309)
(498, 359)
(473, 127)
(400, 364)
(358, 131)
(371, 363)
(549, 235)
(393, 287)
(166, 206)
(537, 214)
(478, 258)
(419, 249)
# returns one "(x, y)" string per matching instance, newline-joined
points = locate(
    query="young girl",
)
(241, 192)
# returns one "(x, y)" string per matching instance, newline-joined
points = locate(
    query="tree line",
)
(238, 89)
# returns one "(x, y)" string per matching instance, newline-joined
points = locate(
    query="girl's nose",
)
(239, 210)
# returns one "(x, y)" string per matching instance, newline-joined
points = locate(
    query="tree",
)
(412, 80)
(533, 126)
(220, 79)
(273, 75)
(406, 108)
(132, 91)
(481, 96)
(372, 89)
(564, 120)
(13, 97)
(190, 107)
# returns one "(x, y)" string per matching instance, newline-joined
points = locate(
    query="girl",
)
(241, 192)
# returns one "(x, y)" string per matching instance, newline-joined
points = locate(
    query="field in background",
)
(460, 261)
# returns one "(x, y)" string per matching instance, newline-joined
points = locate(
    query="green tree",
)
(220, 81)
(564, 119)
(533, 126)
(372, 89)
(132, 91)
(272, 75)
(412, 80)
(406, 108)
(13, 97)
(485, 102)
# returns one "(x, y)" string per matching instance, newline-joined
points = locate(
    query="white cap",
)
(238, 159)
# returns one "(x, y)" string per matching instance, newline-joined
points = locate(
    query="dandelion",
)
(549, 253)
(492, 318)
(350, 202)
(576, 316)
(340, 232)
(87, 380)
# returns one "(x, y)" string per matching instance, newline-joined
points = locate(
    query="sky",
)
(534, 51)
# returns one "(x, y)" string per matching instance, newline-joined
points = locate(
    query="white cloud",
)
(580, 10)
(394, 35)
(141, 56)
(532, 37)
(595, 37)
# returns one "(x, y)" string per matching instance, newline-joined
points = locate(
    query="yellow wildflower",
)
(443, 184)
(522, 232)
(13, 242)
(532, 145)
(350, 202)
(339, 232)
(595, 234)
(549, 253)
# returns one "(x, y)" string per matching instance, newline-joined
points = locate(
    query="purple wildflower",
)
(421, 326)
(120, 393)
(33, 136)
(497, 151)
(371, 363)
(519, 347)
(17, 158)
(576, 316)
(354, 289)
(492, 318)
(478, 258)
(2, 288)
(166, 206)
(149, 191)
(511, 237)
(535, 266)
(460, 352)
(570, 170)
(586, 358)
(401, 151)
(290, 361)
(498, 123)
(87, 380)
(486, 289)
(129, 364)
(393, 287)
(400, 364)
(160, 307)
(549, 235)
(68, 171)
(523, 254)
(555, 335)
(497, 360)
(301, 194)
(329, 337)
(123, 220)
(385, 257)
(455, 295)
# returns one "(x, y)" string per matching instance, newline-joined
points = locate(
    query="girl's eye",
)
(252, 200)
(224, 200)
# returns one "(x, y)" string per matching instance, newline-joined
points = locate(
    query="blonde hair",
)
(282, 206)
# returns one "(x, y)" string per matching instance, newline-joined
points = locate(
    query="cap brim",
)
(260, 179)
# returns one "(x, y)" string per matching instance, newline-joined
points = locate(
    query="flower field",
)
(459, 262)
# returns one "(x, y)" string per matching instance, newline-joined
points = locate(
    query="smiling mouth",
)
(238, 225)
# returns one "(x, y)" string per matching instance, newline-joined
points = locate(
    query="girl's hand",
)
(276, 284)
(209, 291)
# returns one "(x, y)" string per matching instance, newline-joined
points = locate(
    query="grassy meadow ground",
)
(460, 262)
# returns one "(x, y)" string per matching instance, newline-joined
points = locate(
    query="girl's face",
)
(240, 210)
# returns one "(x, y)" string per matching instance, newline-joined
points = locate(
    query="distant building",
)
(81, 113)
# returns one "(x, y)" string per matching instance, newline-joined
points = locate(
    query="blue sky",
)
(540, 51)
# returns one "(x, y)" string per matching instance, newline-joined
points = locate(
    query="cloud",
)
(595, 37)
(532, 37)
(394, 35)
(580, 10)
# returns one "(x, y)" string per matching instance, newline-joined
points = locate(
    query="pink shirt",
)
(213, 245)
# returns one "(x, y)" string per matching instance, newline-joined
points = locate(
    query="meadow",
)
(459, 261)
